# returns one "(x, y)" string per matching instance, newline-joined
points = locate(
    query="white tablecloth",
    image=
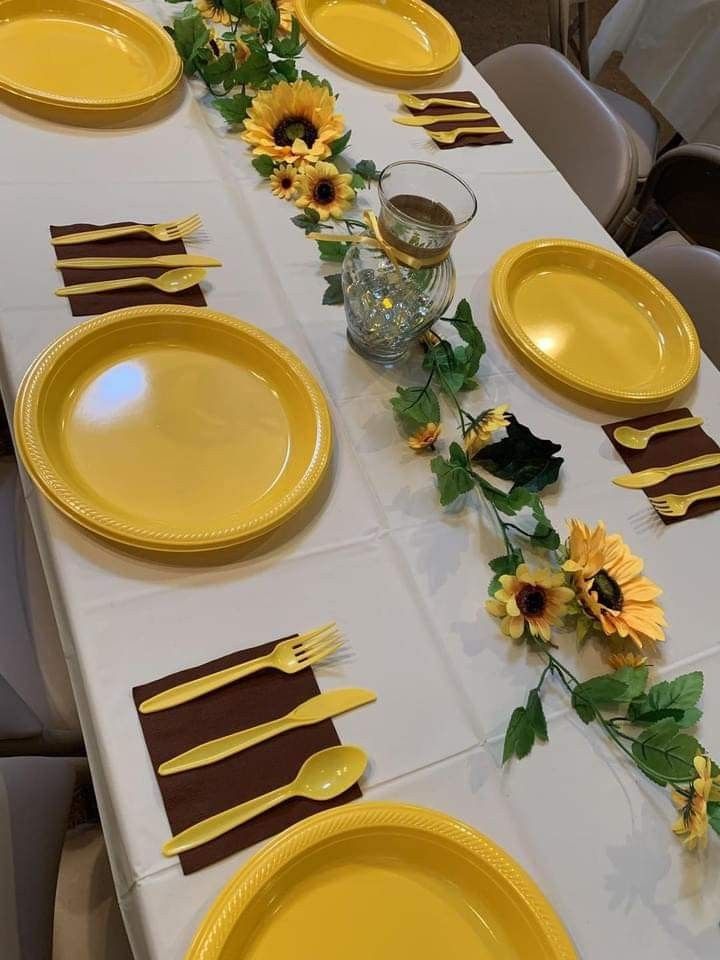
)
(405, 582)
(671, 52)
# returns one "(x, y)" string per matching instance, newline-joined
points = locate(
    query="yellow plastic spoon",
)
(172, 281)
(323, 776)
(637, 439)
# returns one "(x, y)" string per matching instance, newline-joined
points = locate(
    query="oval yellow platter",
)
(172, 428)
(392, 41)
(594, 321)
(381, 881)
(84, 55)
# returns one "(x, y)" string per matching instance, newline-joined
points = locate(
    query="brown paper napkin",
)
(197, 794)
(669, 448)
(467, 140)
(90, 304)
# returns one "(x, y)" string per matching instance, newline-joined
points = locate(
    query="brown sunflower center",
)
(531, 600)
(324, 191)
(608, 592)
(291, 129)
(286, 182)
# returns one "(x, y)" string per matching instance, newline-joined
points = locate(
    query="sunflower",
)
(293, 122)
(483, 428)
(425, 436)
(692, 804)
(241, 51)
(619, 660)
(215, 11)
(609, 586)
(325, 190)
(532, 598)
(284, 181)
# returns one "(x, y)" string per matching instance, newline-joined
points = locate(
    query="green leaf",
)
(191, 36)
(218, 69)
(263, 165)
(334, 293)
(337, 146)
(520, 736)
(635, 678)
(454, 475)
(287, 69)
(542, 534)
(315, 80)
(236, 8)
(522, 457)
(690, 717)
(536, 715)
(332, 250)
(506, 565)
(585, 710)
(309, 221)
(357, 182)
(469, 333)
(256, 70)
(367, 170)
(234, 109)
(681, 693)
(665, 753)
(652, 716)
(601, 690)
(418, 404)
(713, 810)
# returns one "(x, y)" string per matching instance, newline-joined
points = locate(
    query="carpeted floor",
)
(485, 26)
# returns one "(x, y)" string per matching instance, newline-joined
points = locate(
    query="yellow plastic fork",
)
(422, 103)
(450, 136)
(289, 656)
(172, 230)
(678, 504)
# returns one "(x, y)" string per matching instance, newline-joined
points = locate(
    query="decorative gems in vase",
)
(398, 278)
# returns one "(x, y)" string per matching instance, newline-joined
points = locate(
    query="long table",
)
(404, 580)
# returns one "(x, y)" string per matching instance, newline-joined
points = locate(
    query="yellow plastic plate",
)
(594, 321)
(381, 881)
(385, 40)
(89, 54)
(172, 428)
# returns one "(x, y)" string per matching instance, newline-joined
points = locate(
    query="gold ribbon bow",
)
(377, 240)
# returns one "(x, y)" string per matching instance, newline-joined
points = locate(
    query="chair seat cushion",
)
(640, 124)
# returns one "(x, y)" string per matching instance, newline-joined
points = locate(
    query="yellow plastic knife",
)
(322, 707)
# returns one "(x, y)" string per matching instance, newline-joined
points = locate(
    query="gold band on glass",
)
(378, 240)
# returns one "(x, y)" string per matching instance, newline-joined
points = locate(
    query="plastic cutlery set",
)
(189, 268)
(669, 504)
(324, 775)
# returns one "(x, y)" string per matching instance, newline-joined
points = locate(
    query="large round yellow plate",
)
(84, 54)
(594, 321)
(394, 41)
(381, 881)
(172, 428)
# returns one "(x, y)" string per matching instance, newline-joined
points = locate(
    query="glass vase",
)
(391, 299)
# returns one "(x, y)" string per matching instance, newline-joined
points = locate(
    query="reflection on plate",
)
(381, 881)
(395, 41)
(83, 55)
(594, 321)
(172, 428)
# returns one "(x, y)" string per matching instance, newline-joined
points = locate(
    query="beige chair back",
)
(568, 120)
(693, 275)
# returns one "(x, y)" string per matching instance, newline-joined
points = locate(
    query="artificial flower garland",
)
(297, 139)
(592, 580)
